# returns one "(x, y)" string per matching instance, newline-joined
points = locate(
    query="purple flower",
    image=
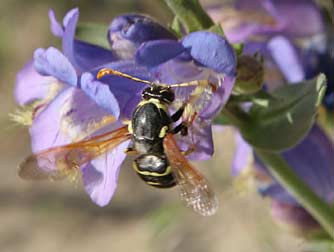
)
(72, 104)
(299, 50)
(249, 21)
(293, 217)
(312, 160)
(127, 32)
(83, 106)
(293, 51)
(273, 28)
(199, 55)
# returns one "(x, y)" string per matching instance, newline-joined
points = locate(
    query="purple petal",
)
(276, 192)
(200, 137)
(287, 15)
(45, 131)
(239, 34)
(88, 56)
(243, 21)
(127, 92)
(313, 160)
(124, 49)
(294, 217)
(100, 176)
(30, 85)
(52, 62)
(290, 13)
(82, 55)
(55, 26)
(250, 5)
(138, 29)
(212, 51)
(80, 121)
(155, 52)
(287, 59)
(243, 155)
(100, 93)
(66, 120)
(69, 15)
(176, 71)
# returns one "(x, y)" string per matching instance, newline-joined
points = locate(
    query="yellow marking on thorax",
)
(156, 102)
(163, 131)
(130, 129)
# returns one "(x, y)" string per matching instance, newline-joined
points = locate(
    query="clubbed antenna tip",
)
(108, 71)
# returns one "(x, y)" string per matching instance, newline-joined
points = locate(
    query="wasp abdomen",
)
(154, 170)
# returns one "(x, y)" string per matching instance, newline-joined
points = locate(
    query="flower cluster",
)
(293, 51)
(68, 103)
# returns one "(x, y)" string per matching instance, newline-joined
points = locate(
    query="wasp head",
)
(161, 93)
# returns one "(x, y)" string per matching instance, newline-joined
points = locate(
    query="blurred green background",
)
(52, 217)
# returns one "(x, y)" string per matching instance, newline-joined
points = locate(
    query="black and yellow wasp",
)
(160, 162)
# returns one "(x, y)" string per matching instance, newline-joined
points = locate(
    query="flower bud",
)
(138, 29)
(249, 75)
(127, 32)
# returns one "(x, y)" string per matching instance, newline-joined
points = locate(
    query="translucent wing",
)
(198, 98)
(194, 188)
(59, 162)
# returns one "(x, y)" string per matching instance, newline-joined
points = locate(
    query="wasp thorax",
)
(163, 94)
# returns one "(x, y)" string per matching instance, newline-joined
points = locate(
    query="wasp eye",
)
(168, 96)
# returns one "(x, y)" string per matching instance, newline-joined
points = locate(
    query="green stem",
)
(281, 171)
(191, 14)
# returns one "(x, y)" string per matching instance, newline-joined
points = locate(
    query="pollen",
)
(73, 176)
(23, 116)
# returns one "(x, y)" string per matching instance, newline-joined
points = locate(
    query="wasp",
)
(160, 162)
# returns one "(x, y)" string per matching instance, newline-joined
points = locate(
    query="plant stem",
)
(281, 171)
(191, 14)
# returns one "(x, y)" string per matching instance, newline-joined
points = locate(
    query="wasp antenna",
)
(108, 71)
(201, 83)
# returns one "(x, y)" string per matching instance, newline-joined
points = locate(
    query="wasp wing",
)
(59, 162)
(193, 186)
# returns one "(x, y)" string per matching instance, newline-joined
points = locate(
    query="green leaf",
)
(238, 47)
(176, 26)
(93, 33)
(217, 29)
(261, 98)
(191, 14)
(281, 122)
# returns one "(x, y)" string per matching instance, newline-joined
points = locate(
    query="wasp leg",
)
(177, 115)
(182, 128)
